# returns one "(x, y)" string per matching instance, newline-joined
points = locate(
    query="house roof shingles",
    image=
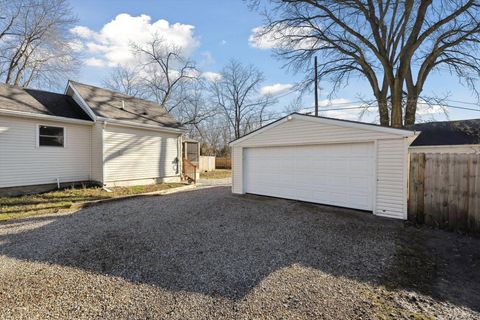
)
(458, 132)
(109, 104)
(39, 102)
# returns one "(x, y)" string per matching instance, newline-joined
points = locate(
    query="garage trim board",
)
(327, 161)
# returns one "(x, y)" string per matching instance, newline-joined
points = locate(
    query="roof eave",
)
(141, 125)
(83, 104)
(355, 124)
(29, 115)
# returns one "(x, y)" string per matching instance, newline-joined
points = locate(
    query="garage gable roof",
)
(328, 121)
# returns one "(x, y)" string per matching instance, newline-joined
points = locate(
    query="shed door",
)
(336, 174)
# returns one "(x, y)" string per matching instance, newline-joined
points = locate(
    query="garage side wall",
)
(391, 178)
(136, 156)
(237, 170)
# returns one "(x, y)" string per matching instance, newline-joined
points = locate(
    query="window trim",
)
(37, 136)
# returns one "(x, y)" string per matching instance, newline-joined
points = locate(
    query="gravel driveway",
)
(210, 254)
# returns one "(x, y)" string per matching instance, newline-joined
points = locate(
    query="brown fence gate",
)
(444, 190)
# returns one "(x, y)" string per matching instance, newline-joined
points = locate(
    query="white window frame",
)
(37, 135)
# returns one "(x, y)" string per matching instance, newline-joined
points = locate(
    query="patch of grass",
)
(62, 200)
(216, 174)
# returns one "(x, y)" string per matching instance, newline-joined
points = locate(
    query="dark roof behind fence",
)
(448, 133)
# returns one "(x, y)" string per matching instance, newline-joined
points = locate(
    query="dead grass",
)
(216, 174)
(62, 200)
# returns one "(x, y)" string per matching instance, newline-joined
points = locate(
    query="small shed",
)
(328, 161)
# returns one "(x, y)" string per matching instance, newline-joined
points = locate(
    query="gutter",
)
(130, 124)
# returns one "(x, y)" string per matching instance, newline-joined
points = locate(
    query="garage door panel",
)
(340, 175)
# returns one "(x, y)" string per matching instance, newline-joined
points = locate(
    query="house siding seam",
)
(18, 148)
(136, 154)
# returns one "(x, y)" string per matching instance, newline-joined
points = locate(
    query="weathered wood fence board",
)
(445, 190)
(223, 163)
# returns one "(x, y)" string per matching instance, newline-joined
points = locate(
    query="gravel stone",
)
(208, 254)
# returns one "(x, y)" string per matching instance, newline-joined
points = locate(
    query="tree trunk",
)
(383, 111)
(397, 104)
(411, 108)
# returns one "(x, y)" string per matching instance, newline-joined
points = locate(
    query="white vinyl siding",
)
(23, 163)
(97, 153)
(237, 162)
(310, 132)
(391, 178)
(136, 154)
(389, 161)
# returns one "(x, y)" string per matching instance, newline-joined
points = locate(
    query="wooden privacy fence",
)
(206, 163)
(445, 190)
(223, 163)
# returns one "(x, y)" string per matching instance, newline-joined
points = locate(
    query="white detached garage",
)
(328, 161)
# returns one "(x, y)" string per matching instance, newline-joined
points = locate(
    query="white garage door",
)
(337, 174)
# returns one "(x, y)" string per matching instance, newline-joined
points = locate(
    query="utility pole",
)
(316, 87)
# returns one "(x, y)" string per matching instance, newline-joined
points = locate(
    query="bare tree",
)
(236, 94)
(166, 70)
(194, 107)
(10, 11)
(394, 44)
(163, 74)
(126, 80)
(36, 44)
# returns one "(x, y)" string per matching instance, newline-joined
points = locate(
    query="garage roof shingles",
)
(109, 104)
(39, 102)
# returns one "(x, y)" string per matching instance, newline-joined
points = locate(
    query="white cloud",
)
(281, 37)
(426, 109)
(76, 45)
(113, 42)
(212, 76)
(207, 59)
(275, 89)
(82, 32)
(223, 42)
(94, 62)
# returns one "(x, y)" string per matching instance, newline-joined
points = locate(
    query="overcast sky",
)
(211, 32)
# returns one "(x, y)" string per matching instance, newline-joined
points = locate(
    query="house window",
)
(51, 136)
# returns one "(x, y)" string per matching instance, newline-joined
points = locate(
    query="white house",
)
(329, 161)
(86, 134)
